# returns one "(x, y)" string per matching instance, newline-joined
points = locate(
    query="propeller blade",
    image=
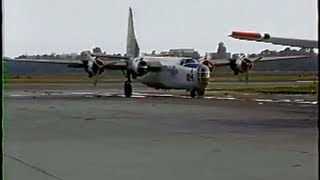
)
(247, 77)
(87, 53)
(95, 78)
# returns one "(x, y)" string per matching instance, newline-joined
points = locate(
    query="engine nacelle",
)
(140, 67)
(241, 65)
(95, 68)
(250, 35)
(209, 64)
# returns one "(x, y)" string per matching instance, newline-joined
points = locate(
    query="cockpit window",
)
(188, 61)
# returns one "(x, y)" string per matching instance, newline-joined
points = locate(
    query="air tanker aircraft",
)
(157, 72)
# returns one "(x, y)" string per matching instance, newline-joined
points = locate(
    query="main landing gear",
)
(197, 93)
(128, 85)
(127, 89)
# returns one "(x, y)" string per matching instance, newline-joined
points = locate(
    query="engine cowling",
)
(140, 67)
(95, 67)
(241, 65)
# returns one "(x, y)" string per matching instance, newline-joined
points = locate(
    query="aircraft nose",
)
(203, 76)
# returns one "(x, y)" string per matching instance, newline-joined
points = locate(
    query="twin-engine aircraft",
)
(158, 72)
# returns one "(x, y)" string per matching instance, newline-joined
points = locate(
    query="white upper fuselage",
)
(176, 73)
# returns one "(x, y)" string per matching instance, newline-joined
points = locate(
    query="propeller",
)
(100, 65)
(95, 78)
(97, 67)
(247, 77)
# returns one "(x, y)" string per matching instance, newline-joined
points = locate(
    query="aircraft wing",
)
(229, 61)
(51, 61)
(154, 65)
(220, 62)
(278, 58)
(244, 64)
(259, 37)
(114, 64)
(102, 55)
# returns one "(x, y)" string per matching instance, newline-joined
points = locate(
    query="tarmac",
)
(76, 131)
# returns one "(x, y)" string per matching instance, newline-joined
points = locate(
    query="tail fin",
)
(132, 44)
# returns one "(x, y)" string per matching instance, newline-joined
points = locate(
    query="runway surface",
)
(75, 131)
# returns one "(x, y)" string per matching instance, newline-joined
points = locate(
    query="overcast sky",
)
(66, 26)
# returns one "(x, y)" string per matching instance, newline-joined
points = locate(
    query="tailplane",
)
(132, 44)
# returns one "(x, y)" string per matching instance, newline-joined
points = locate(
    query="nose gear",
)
(194, 93)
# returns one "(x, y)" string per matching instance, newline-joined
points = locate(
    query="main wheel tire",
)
(193, 93)
(201, 92)
(127, 89)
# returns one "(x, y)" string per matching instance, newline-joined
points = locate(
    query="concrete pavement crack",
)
(33, 167)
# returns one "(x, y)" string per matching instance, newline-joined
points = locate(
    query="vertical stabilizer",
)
(132, 44)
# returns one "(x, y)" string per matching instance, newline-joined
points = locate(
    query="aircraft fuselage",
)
(177, 73)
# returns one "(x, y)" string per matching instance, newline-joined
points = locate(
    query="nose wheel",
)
(194, 93)
(201, 92)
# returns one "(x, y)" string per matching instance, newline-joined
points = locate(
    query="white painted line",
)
(18, 95)
(298, 100)
(282, 100)
(138, 96)
(81, 93)
(226, 98)
(308, 102)
(306, 81)
(264, 100)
